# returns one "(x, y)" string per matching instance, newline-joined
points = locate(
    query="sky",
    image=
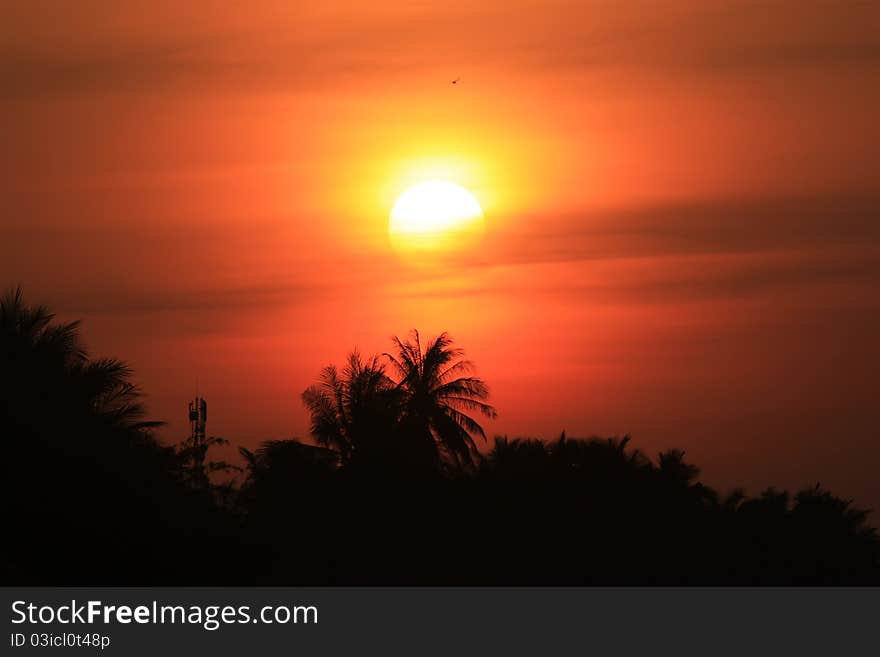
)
(682, 237)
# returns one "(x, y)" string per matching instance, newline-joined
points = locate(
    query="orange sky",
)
(681, 205)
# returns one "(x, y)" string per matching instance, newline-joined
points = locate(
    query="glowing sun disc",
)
(435, 214)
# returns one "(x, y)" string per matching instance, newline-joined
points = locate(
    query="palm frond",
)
(466, 422)
(464, 387)
(472, 405)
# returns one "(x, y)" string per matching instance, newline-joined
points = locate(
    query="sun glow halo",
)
(435, 214)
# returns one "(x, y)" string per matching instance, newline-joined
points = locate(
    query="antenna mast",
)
(198, 418)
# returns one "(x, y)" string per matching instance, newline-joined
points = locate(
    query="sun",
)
(436, 215)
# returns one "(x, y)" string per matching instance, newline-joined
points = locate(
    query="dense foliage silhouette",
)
(394, 491)
(89, 495)
(410, 427)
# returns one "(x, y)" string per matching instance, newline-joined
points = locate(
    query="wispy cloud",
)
(303, 50)
(711, 227)
(672, 254)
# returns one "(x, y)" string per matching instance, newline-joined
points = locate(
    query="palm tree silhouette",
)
(48, 359)
(289, 458)
(436, 399)
(354, 411)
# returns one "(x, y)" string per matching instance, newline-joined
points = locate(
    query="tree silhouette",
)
(437, 398)
(289, 459)
(386, 496)
(49, 359)
(278, 471)
(82, 461)
(356, 412)
(198, 472)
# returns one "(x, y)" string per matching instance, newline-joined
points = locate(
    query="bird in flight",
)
(455, 81)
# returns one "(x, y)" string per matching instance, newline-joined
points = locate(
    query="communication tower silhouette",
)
(198, 418)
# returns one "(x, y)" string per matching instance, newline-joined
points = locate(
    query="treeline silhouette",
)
(395, 490)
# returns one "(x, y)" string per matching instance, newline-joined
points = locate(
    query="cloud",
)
(204, 299)
(714, 227)
(712, 251)
(304, 50)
